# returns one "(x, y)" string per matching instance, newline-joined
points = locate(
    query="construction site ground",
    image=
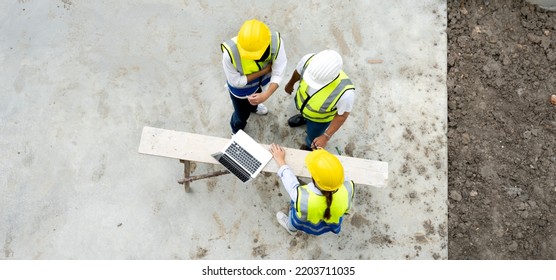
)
(80, 79)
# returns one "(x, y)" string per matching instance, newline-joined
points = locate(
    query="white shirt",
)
(290, 182)
(237, 80)
(345, 103)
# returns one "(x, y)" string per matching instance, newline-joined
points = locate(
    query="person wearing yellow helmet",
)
(317, 207)
(254, 63)
(324, 96)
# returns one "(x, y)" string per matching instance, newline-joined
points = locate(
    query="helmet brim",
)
(252, 55)
(308, 78)
(329, 189)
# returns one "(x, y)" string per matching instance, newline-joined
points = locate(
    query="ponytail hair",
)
(328, 196)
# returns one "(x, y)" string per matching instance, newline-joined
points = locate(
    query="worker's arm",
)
(294, 79)
(289, 180)
(233, 76)
(258, 98)
(337, 122)
(344, 107)
(296, 75)
(278, 69)
(267, 69)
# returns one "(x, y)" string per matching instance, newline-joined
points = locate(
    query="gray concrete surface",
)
(81, 78)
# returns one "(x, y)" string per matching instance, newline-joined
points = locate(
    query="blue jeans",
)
(242, 110)
(314, 130)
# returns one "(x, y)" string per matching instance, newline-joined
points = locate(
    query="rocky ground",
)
(502, 130)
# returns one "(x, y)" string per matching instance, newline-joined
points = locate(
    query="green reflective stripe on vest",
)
(310, 206)
(247, 66)
(322, 106)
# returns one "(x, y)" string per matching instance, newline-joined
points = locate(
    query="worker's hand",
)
(288, 88)
(258, 98)
(278, 154)
(319, 142)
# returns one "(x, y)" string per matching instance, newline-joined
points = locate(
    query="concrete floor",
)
(80, 79)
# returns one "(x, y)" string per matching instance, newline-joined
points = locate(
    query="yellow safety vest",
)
(321, 106)
(310, 206)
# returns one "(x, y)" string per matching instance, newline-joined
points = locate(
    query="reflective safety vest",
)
(321, 106)
(307, 214)
(247, 66)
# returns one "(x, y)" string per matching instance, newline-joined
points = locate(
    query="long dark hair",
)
(328, 196)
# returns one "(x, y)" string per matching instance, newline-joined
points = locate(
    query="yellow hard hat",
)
(326, 169)
(253, 39)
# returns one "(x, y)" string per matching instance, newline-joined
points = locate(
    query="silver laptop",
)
(243, 156)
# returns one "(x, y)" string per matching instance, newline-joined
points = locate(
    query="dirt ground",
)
(501, 130)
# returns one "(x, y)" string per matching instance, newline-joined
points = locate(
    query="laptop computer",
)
(243, 156)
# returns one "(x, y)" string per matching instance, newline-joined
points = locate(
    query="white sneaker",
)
(283, 221)
(261, 110)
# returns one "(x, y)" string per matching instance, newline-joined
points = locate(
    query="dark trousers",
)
(242, 110)
(314, 130)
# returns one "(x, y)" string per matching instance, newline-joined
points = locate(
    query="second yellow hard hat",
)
(326, 169)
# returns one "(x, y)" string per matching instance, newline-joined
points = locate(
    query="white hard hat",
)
(323, 69)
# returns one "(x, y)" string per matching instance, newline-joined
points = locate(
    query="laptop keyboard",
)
(243, 157)
(234, 168)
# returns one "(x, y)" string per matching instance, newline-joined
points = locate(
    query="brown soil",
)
(502, 130)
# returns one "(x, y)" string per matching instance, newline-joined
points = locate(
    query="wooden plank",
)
(198, 148)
